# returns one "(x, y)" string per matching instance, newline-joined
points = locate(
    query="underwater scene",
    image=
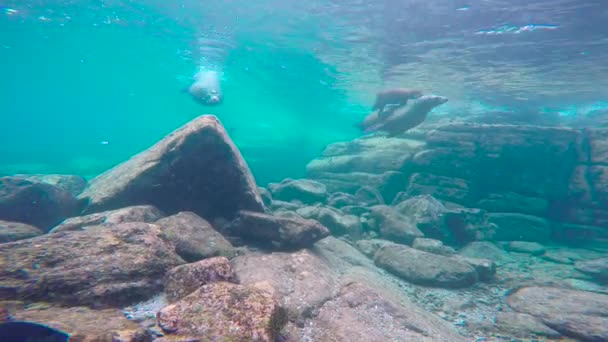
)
(283, 171)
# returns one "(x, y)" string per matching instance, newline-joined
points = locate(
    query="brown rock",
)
(196, 168)
(223, 311)
(13, 231)
(193, 237)
(285, 232)
(84, 324)
(99, 266)
(137, 213)
(301, 280)
(185, 279)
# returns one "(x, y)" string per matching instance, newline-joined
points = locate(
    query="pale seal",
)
(394, 96)
(206, 88)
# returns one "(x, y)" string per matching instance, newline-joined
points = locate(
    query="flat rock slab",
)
(577, 314)
(185, 279)
(597, 268)
(36, 203)
(195, 168)
(302, 280)
(137, 213)
(424, 268)
(284, 232)
(360, 313)
(305, 190)
(113, 266)
(13, 231)
(223, 311)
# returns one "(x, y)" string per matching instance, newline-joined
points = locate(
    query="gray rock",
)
(510, 202)
(394, 226)
(334, 219)
(193, 237)
(278, 205)
(484, 250)
(285, 233)
(13, 231)
(363, 313)
(341, 199)
(368, 196)
(139, 213)
(370, 247)
(520, 227)
(578, 314)
(486, 269)
(302, 281)
(467, 224)
(425, 268)
(427, 214)
(70, 183)
(597, 268)
(182, 280)
(39, 204)
(305, 190)
(526, 247)
(100, 266)
(195, 168)
(266, 196)
(433, 246)
(387, 184)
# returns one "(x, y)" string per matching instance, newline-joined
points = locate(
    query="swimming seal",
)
(394, 96)
(206, 88)
(404, 118)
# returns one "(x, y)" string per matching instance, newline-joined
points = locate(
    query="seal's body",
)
(394, 96)
(206, 88)
(404, 118)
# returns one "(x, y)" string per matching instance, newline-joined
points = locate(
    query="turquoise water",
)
(85, 85)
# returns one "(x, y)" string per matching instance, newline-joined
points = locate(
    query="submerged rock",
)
(526, 247)
(70, 183)
(36, 203)
(84, 324)
(305, 190)
(334, 219)
(285, 233)
(433, 246)
(302, 281)
(138, 213)
(193, 237)
(182, 280)
(427, 213)
(394, 226)
(597, 268)
(113, 266)
(362, 313)
(195, 168)
(425, 268)
(578, 314)
(520, 227)
(13, 231)
(223, 311)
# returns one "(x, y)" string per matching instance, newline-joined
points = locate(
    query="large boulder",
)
(393, 226)
(283, 232)
(427, 214)
(195, 168)
(13, 231)
(223, 311)
(193, 237)
(578, 314)
(36, 203)
(114, 265)
(137, 213)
